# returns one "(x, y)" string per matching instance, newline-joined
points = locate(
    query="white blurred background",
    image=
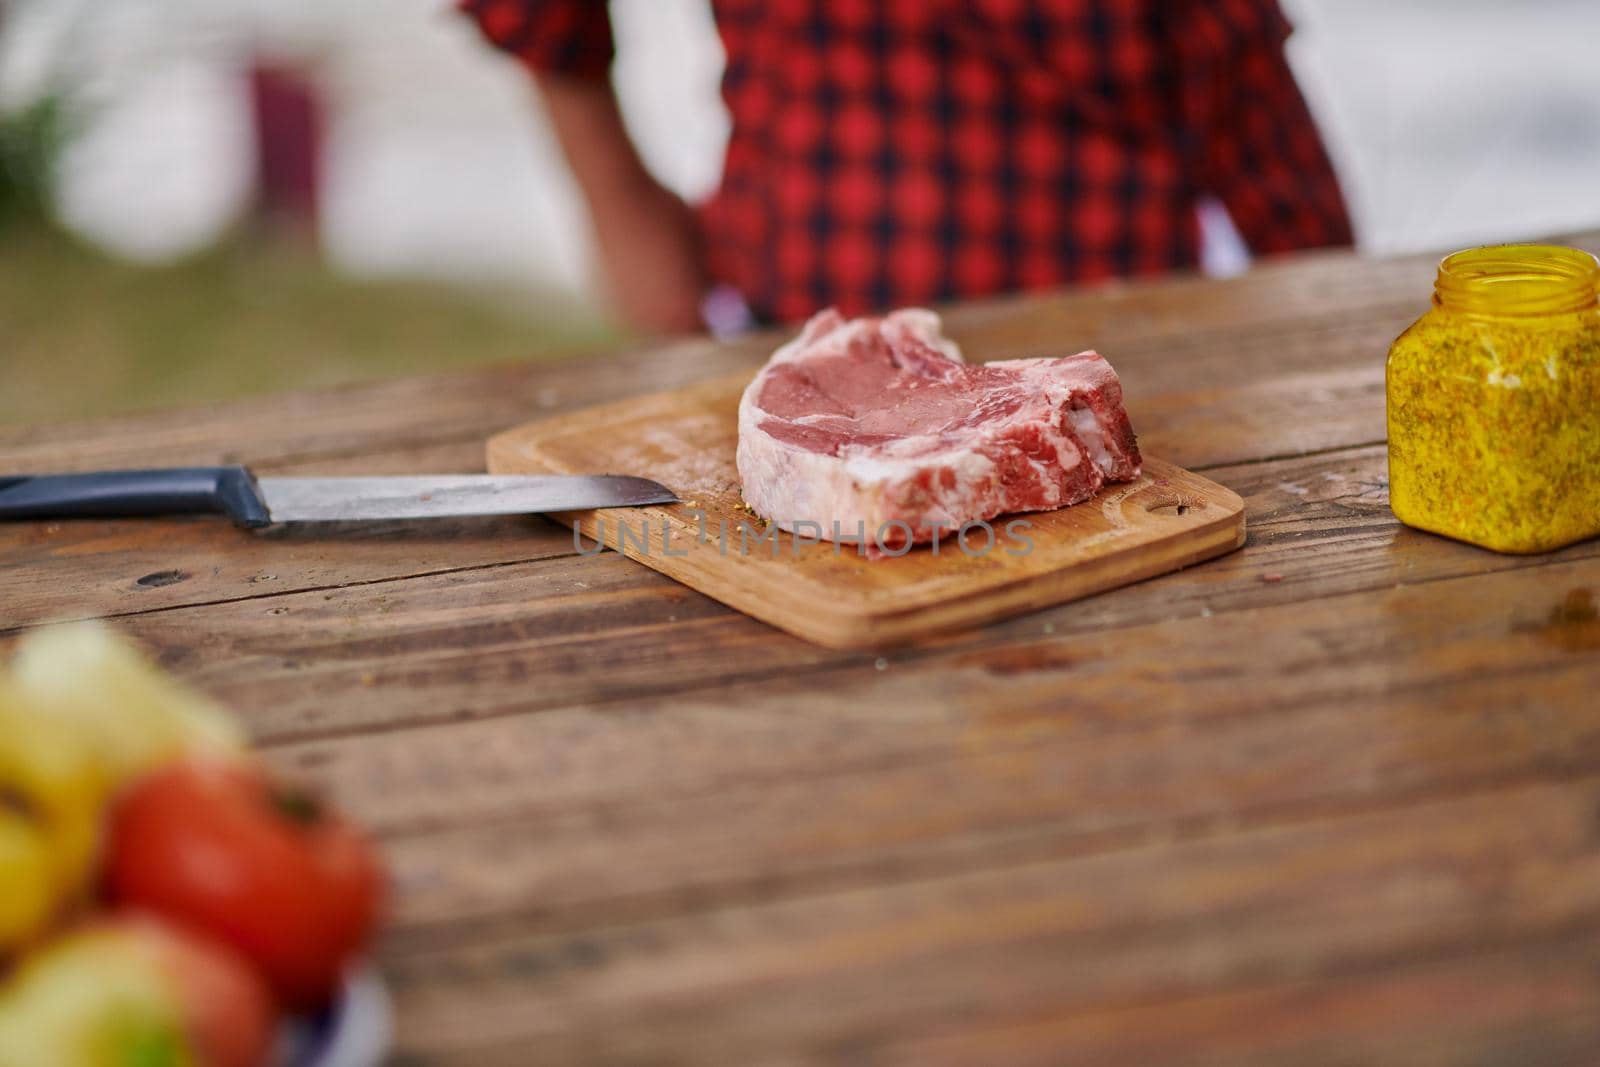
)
(1452, 122)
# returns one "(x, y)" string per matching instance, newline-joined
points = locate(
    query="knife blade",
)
(423, 497)
(255, 502)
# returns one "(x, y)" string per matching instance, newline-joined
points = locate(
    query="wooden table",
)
(1334, 799)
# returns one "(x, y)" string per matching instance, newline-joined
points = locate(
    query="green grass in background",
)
(83, 334)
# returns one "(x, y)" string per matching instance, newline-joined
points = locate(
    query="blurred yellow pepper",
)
(51, 796)
(134, 716)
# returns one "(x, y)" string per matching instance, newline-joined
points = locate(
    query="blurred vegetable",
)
(221, 848)
(241, 896)
(228, 1011)
(132, 993)
(135, 716)
(51, 794)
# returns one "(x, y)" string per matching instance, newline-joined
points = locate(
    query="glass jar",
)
(1494, 401)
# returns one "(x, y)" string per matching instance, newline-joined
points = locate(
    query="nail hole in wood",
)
(161, 578)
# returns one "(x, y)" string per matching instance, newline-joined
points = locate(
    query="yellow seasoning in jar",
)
(1494, 401)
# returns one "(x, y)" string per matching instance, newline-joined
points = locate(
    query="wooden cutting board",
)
(1167, 519)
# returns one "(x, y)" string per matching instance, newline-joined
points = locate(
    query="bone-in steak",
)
(876, 430)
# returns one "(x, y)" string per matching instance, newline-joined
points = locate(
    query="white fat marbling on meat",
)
(1086, 424)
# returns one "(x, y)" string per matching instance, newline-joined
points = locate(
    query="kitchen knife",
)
(252, 501)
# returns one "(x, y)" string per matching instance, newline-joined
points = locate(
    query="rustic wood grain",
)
(501, 640)
(365, 417)
(835, 975)
(1328, 800)
(1538, 1003)
(1104, 742)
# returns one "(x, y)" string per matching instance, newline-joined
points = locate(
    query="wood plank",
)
(862, 776)
(574, 630)
(366, 417)
(861, 735)
(1266, 418)
(1028, 793)
(841, 975)
(1165, 519)
(1532, 1004)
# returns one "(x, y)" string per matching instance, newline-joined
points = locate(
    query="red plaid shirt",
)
(890, 152)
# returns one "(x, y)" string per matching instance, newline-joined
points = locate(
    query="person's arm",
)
(644, 234)
(1258, 147)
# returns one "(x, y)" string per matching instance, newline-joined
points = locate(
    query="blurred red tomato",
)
(225, 850)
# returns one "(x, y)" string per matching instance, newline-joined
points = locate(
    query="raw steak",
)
(877, 425)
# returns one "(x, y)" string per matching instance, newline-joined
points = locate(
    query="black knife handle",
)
(173, 491)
